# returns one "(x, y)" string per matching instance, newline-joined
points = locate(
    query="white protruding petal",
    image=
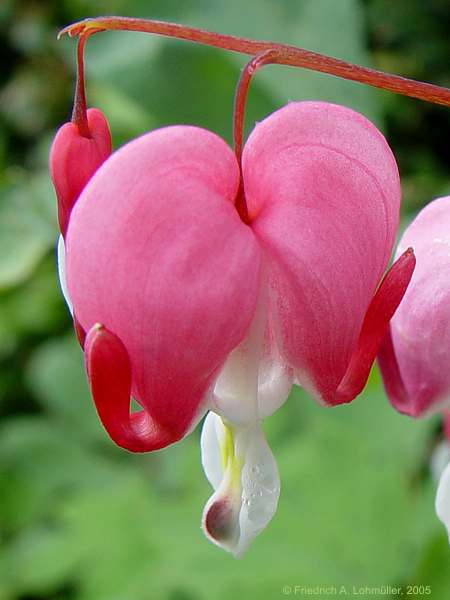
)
(210, 442)
(238, 463)
(443, 499)
(260, 488)
(242, 470)
(440, 459)
(62, 272)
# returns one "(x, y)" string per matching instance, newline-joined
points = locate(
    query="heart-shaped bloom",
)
(189, 309)
(414, 355)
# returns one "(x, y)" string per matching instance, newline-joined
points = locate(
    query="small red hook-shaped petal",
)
(109, 373)
(382, 308)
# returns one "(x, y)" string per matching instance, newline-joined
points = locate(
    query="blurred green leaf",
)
(27, 226)
(60, 463)
(352, 509)
(41, 560)
(56, 377)
(308, 25)
(432, 568)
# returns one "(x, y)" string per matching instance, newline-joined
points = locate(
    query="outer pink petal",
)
(323, 191)
(74, 159)
(415, 355)
(158, 255)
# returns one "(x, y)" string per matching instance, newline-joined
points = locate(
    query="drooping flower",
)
(414, 356)
(189, 309)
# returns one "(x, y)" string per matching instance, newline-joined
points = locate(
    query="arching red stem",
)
(262, 58)
(240, 98)
(79, 113)
(287, 55)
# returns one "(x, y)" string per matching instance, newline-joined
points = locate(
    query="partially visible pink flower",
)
(414, 357)
(189, 309)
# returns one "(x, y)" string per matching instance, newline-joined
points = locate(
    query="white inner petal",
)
(443, 499)
(62, 272)
(210, 443)
(260, 488)
(274, 384)
(242, 470)
(254, 381)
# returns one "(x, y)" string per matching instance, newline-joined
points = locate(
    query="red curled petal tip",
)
(79, 332)
(109, 373)
(376, 322)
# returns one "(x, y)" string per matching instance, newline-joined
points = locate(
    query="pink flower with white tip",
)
(189, 309)
(207, 281)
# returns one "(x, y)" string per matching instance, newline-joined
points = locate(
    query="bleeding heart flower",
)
(189, 309)
(414, 355)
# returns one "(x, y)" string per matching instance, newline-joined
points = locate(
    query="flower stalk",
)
(286, 54)
(79, 113)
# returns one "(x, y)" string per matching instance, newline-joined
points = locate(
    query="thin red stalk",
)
(287, 55)
(240, 99)
(79, 113)
(263, 58)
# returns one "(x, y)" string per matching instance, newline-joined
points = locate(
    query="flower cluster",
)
(193, 306)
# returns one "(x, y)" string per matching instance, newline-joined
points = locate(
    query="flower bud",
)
(75, 158)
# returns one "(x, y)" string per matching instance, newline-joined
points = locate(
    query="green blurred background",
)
(83, 520)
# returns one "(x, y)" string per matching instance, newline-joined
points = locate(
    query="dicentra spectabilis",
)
(414, 357)
(208, 280)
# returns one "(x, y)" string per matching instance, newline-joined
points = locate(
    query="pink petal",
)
(323, 193)
(74, 159)
(157, 253)
(414, 356)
